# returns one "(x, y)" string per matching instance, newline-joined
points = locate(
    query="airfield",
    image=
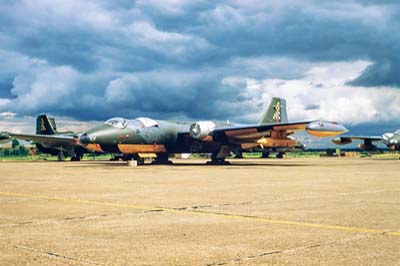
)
(298, 211)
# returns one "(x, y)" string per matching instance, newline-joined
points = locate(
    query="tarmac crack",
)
(288, 200)
(292, 250)
(76, 218)
(142, 208)
(57, 255)
(194, 207)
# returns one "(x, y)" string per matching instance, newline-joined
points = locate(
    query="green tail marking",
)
(45, 125)
(276, 112)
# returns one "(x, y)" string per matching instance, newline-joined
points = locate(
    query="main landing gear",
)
(162, 158)
(138, 159)
(217, 161)
(60, 156)
(267, 154)
(76, 157)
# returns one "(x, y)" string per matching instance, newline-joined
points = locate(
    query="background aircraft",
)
(391, 140)
(144, 137)
(4, 137)
(49, 140)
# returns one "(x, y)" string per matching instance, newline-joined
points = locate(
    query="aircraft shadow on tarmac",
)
(191, 164)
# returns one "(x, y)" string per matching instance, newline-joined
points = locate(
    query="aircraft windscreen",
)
(117, 122)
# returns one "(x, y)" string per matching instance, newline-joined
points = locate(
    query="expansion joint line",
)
(287, 251)
(57, 255)
(205, 213)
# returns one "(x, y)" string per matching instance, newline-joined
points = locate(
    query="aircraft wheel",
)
(162, 158)
(238, 155)
(140, 161)
(76, 158)
(127, 157)
(265, 154)
(217, 161)
(279, 155)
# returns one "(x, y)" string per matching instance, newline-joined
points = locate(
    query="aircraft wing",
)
(372, 138)
(348, 139)
(251, 133)
(53, 140)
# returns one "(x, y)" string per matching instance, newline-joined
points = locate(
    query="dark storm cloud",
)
(382, 73)
(95, 59)
(312, 107)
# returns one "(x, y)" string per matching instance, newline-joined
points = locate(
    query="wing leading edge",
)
(251, 133)
(349, 139)
(54, 140)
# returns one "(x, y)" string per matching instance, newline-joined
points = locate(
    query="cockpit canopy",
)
(147, 122)
(117, 122)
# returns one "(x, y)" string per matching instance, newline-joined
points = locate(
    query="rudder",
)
(276, 112)
(45, 125)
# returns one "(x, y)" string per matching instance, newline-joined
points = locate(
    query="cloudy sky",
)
(86, 61)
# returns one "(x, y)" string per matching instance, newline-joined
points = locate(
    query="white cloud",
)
(7, 115)
(323, 94)
(27, 124)
(4, 102)
(170, 7)
(57, 13)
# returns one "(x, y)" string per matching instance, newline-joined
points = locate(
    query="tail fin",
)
(276, 112)
(45, 125)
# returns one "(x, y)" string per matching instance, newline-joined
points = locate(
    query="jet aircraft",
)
(4, 137)
(145, 137)
(391, 140)
(49, 140)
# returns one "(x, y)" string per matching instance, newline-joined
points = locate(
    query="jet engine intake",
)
(202, 130)
(387, 137)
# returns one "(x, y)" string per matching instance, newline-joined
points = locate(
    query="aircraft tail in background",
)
(276, 112)
(45, 125)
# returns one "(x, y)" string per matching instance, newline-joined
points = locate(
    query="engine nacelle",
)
(368, 147)
(387, 136)
(202, 130)
(341, 141)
